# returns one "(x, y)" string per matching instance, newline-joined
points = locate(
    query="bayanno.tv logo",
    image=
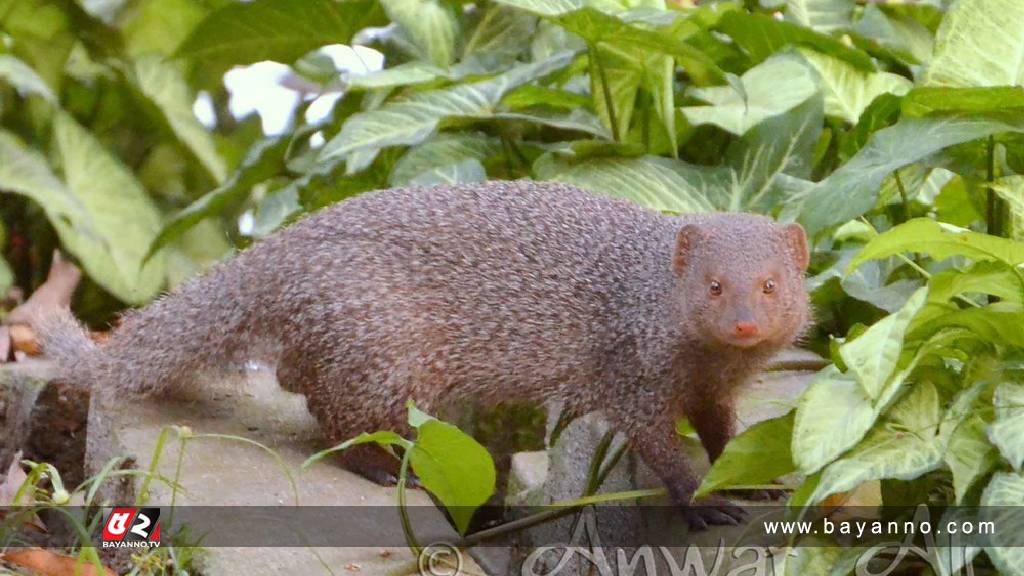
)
(132, 528)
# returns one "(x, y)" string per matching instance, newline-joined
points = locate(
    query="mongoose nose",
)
(746, 329)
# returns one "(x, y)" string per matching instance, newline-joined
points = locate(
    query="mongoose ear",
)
(686, 240)
(797, 240)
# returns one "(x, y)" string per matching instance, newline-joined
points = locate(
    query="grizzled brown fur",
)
(489, 292)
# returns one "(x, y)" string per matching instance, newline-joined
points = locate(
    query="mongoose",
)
(490, 292)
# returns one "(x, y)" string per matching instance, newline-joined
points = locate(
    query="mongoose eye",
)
(716, 288)
(769, 286)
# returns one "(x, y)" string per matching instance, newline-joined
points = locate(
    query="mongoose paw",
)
(713, 511)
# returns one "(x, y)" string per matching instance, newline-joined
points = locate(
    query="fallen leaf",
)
(50, 563)
(13, 480)
(55, 292)
(23, 338)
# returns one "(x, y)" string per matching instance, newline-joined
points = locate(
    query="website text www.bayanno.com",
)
(890, 528)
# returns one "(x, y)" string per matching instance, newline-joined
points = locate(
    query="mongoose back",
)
(487, 291)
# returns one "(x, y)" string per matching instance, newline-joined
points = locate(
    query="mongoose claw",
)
(757, 495)
(713, 511)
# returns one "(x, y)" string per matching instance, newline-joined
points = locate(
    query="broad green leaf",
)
(412, 120)
(283, 30)
(544, 7)
(851, 190)
(24, 79)
(872, 357)
(498, 39)
(265, 159)
(833, 414)
(1007, 431)
(159, 26)
(382, 438)
(430, 25)
(903, 447)
(782, 144)
(533, 95)
(980, 43)
(469, 170)
(761, 36)
(820, 15)
(758, 455)
(1002, 500)
(940, 241)
(578, 119)
(274, 211)
(881, 113)
(162, 84)
(43, 37)
(407, 74)
(981, 278)
(903, 35)
(848, 91)
(101, 214)
(443, 150)
(626, 69)
(925, 100)
(997, 324)
(658, 183)
(763, 95)
(1011, 190)
(612, 31)
(969, 455)
(453, 466)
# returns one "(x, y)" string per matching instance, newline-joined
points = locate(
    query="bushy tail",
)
(65, 341)
(210, 322)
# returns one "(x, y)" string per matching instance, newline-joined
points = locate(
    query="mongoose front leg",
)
(715, 422)
(660, 447)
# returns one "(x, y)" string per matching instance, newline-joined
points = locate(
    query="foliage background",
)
(891, 130)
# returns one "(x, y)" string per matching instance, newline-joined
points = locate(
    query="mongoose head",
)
(741, 278)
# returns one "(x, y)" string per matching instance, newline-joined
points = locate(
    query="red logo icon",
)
(132, 528)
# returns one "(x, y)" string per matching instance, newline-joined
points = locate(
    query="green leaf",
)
(851, 190)
(161, 83)
(848, 91)
(431, 26)
(1011, 190)
(904, 447)
(758, 455)
(972, 33)
(981, 278)
(761, 36)
(6, 276)
(763, 95)
(940, 241)
(443, 150)
(820, 15)
(407, 74)
(873, 356)
(264, 160)
(996, 324)
(544, 7)
(579, 120)
(969, 455)
(1001, 499)
(832, 415)
(102, 215)
(498, 38)
(782, 144)
(281, 30)
(926, 100)
(452, 465)
(412, 120)
(1007, 431)
(908, 39)
(469, 170)
(382, 438)
(658, 183)
(159, 26)
(43, 36)
(23, 78)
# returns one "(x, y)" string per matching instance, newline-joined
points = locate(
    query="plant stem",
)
(993, 214)
(903, 196)
(606, 91)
